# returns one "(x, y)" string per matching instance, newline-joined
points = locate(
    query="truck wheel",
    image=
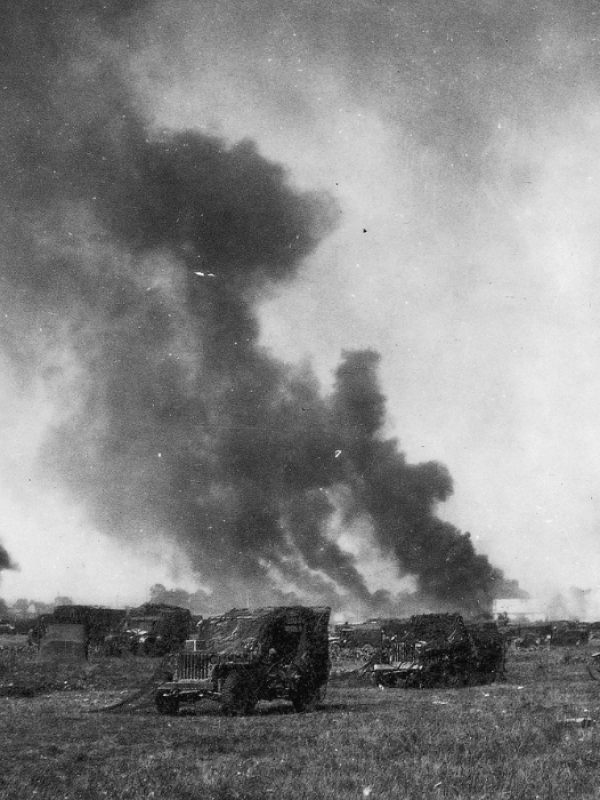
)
(458, 680)
(305, 698)
(150, 648)
(238, 695)
(167, 704)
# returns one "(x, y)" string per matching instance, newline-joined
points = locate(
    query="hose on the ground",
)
(151, 685)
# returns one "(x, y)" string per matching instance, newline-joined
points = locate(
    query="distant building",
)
(517, 610)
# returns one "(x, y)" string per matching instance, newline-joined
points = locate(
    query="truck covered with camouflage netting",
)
(64, 642)
(245, 656)
(152, 629)
(441, 650)
(99, 622)
(490, 652)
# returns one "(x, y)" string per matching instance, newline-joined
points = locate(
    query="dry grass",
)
(506, 740)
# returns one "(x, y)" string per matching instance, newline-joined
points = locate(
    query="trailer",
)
(441, 650)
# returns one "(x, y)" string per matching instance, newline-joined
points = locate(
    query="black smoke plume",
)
(139, 256)
(5, 560)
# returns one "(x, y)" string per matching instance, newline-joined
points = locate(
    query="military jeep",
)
(245, 656)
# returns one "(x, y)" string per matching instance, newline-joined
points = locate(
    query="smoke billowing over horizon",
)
(133, 262)
(5, 559)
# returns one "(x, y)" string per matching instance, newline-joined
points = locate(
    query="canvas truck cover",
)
(64, 642)
(251, 634)
(437, 630)
(98, 621)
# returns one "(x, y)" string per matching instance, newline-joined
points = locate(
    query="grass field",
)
(511, 739)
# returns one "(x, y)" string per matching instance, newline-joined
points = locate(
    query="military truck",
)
(360, 634)
(245, 656)
(99, 622)
(441, 650)
(7, 628)
(152, 629)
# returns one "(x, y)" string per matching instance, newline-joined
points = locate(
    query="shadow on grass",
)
(325, 708)
(206, 709)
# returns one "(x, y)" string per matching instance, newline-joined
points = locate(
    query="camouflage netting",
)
(490, 648)
(98, 622)
(445, 651)
(437, 630)
(245, 633)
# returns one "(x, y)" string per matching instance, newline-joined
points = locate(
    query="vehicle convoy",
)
(152, 629)
(246, 656)
(441, 650)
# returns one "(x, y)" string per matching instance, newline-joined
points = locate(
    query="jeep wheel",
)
(238, 695)
(594, 670)
(167, 704)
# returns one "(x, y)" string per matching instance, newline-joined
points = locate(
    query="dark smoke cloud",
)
(143, 253)
(401, 498)
(5, 560)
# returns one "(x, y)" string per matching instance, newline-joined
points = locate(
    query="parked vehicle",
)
(152, 630)
(99, 621)
(440, 650)
(245, 656)
(7, 628)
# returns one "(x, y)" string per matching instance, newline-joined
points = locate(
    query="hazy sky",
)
(460, 142)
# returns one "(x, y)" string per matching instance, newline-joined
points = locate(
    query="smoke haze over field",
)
(205, 204)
